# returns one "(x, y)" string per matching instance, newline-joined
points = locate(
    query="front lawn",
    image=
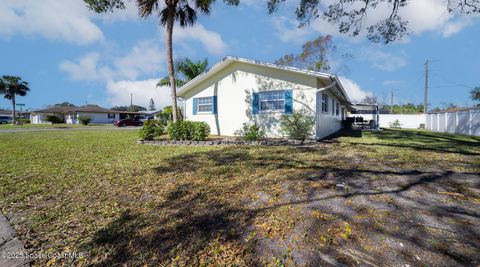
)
(40, 126)
(396, 196)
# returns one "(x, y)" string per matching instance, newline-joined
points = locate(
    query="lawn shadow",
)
(393, 206)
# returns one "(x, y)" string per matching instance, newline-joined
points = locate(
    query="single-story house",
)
(236, 91)
(5, 112)
(70, 115)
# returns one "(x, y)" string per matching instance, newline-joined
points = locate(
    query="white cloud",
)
(212, 41)
(144, 58)
(383, 60)
(67, 20)
(354, 91)
(454, 27)
(119, 93)
(86, 68)
(288, 31)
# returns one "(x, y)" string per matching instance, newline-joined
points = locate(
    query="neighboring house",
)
(70, 115)
(5, 112)
(236, 91)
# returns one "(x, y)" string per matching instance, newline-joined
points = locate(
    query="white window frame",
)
(337, 109)
(205, 105)
(281, 100)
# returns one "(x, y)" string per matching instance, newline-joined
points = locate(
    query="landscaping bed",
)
(395, 197)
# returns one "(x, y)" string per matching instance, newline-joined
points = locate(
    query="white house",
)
(70, 115)
(236, 91)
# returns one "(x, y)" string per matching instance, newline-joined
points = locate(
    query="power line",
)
(453, 82)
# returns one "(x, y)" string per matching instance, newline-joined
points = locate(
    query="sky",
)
(68, 53)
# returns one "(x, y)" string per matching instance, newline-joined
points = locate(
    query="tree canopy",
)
(350, 15)
(475, 94)
(314, 56)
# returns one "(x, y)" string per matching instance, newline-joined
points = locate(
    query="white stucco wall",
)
(234, 86)
(40, 118)
(97, 118)
(326, 122)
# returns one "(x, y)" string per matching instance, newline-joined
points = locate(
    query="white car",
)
(5, 119)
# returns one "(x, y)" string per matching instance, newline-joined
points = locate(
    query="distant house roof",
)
(229, 60)
(86, 109)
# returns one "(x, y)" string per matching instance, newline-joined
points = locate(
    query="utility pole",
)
(391, 102)
(425, 97)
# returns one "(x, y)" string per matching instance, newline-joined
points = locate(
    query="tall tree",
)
(350, 15)
(314, 55)
(475, 94)
(169, 12)
(151, 105)
(10, 87)
(185, 70)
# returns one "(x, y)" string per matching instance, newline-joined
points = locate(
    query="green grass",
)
(36, 126)
(100, 193)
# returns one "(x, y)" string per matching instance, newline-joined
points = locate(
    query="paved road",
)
(20, 130)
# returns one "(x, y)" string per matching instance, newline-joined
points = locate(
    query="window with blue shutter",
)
(205, 105)
(214, 110)
(288, 102)
(255, 102)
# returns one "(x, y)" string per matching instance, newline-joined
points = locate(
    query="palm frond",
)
(186, 15)
(147, 7)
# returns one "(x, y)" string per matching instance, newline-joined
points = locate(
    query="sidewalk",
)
(12, 252)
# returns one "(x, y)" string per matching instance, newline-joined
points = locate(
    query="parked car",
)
(128, 122)
(5, 119)
(146, 118)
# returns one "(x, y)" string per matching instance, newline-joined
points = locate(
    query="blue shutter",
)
(195, 106)
(288, 102)
(214, 108)
(255, 103)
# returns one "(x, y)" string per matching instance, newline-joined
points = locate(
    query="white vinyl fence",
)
(407, 121)
(465, 122)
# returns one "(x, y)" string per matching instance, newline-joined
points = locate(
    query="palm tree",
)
(10, 87)
(188, 70)
(169, 12)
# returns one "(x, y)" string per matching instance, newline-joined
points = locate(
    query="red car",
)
(128, 122)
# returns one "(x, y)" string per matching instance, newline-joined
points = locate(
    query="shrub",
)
(251, 132)
(54, 119)
(298, 125)
(25, 121)
(395, 124)
(188, 130)
(85, 120)
(151, 129)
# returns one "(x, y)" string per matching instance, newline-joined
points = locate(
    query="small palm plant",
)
(10, 87)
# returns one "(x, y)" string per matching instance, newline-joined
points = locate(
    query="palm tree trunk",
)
(171, 71)
(14, 113)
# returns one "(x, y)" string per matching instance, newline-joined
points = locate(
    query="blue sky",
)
(68, 53)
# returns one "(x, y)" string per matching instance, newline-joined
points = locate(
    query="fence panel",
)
(451, 122)
(441, 122)
(435, 122)
(475, 119)
(428, 122)
(463, 123)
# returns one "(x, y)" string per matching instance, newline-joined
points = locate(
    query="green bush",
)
(54, 119)
(396, 124)
(188, 130)
(251, 132)
(151, 129)
(25, 121)
(297, 125)
(85, 120)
